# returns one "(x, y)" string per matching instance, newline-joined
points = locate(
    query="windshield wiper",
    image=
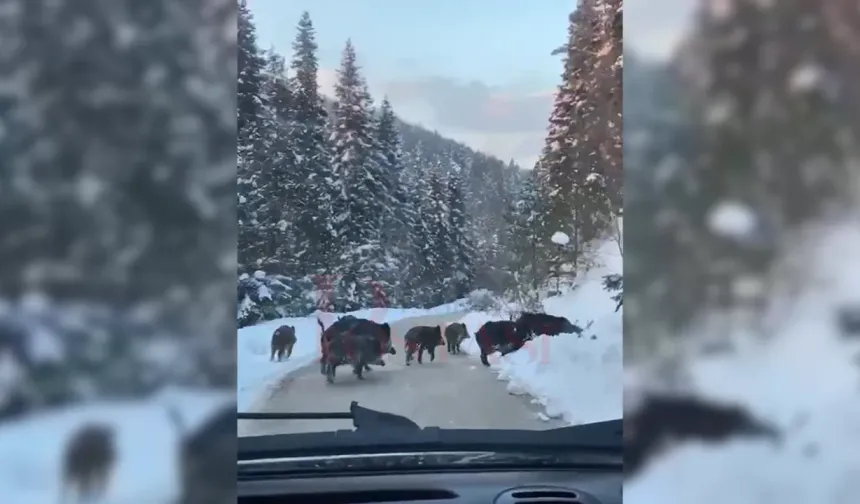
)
(377, 432)
(362, 418)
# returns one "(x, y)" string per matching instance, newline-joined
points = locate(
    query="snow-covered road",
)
(454, 391)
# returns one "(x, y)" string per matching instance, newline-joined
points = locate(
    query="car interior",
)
(442, 486)
(390, 459)
(548, 486)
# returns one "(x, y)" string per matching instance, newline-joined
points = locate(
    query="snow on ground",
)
(804, 380)
(255, 373)
(146, 470)
(576, 379)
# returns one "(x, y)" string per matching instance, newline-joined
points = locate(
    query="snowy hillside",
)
(804, 381)
(576, 379)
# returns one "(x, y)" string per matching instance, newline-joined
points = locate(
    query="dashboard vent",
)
(539, 495)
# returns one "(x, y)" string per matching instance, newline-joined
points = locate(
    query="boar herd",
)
(507, 336)
(360, 343)
(426, 339)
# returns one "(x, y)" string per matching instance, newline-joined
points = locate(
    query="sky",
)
(653, 28)
(477, 71)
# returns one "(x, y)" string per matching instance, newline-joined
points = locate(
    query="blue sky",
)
(653, 28)
(479, 71)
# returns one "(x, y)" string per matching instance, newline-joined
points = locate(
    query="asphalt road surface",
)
(454, 391)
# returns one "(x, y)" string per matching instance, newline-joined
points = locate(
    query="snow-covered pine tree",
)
(249, 87)
(462, 274)
(525, 237)
(278, 181)
(250, 141)
(394, 228)
(425, 268)
(572, 168)
(755, 158)
(555, 182)
(359, 199)
(600, 43)
(511, 184)
(410, 287)
(130, 292)
(314, 247)
(486, 207)
(438, 251)
(663, 140)
(609, 71)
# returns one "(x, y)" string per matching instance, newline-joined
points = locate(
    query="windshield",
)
(460, 273)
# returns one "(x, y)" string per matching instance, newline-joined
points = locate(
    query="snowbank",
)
(146, 470)
(256, 374)
(577, 379)
(805, 380)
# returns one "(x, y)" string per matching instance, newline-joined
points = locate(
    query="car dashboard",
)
(460, 486)
(386, 461)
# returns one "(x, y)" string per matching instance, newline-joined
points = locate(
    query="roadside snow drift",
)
(255, 373)
(576, 379)
(146, 470)
(804, 380)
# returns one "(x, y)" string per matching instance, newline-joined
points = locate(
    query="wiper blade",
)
(601, 437)
(362, 418)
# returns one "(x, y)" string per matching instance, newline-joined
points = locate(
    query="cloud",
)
(524, 148)
(474, 106)
(326, 79)
(505, 121)
(654, 28)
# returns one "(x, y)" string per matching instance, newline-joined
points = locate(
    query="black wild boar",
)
(283, 341)
(662, 419)
(89, 459)
(454, 335)
(536, 324)
(499, 336)
(205, 452)
(423, 338)
(359, 342)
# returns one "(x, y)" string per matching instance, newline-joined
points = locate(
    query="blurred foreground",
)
(148, 464)
(117, 263)
(742, 166)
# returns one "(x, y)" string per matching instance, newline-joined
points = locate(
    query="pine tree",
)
(525, 236)
(486, 206)
(359, 199)
(250, 142)
(425, 268)
(412, 186)
(398, 213)
(602, 43)
(278, 180)
(250, 80)
(117, 191)
(439, 257)
(462, 250)
(609, 70)
(753, 156)
(583, 143)
(315, 242)
(556, 171)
